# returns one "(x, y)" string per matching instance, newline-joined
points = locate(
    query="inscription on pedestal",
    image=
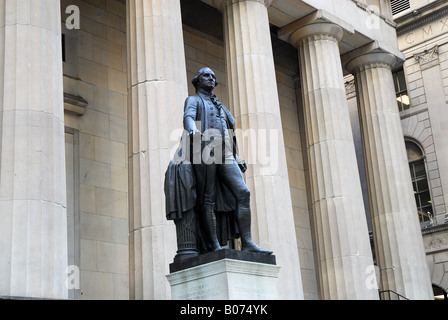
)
(200, 292)
(245, 292)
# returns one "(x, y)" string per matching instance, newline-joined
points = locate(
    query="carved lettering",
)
(424, 33)
(444, 24)
(410, 38)
(427, 33)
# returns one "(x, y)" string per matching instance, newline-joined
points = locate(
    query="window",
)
(421, 190)
(399, 6)
(64, 59)
(420, 182)
(69, 44)
(439, 293)
(401, 90)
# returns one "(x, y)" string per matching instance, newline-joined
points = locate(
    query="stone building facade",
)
(421, 95)
(83, 153)
(422, 36)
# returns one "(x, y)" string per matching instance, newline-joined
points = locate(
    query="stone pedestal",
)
(225, 275)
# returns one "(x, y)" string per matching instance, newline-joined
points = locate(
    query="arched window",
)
(439, 293)
(420, 182)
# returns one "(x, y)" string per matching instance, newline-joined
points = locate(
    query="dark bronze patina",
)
(206, 195)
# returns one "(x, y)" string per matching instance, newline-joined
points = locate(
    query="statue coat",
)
(185, 178)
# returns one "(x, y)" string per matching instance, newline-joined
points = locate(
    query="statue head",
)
(205, 78)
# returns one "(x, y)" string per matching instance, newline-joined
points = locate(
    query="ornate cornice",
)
(428, 58)
(434, 16)
(435, 238)
(435, 229)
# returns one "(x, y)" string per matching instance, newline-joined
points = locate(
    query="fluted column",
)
(33, 221)
(157, 91)
(254, 99)
(399, 244)
(343, 247)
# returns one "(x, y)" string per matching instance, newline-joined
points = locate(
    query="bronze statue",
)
(205, 190)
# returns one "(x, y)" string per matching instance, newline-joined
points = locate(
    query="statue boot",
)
(208, 211)
(244, 224)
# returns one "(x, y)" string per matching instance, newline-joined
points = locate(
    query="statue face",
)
(207, 80)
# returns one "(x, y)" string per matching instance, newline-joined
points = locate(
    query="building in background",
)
(83, 151)
(421, 98)
(422, 84)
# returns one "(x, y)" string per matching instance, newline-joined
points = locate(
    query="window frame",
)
(420, 195)
(417, 177)
(401, 92)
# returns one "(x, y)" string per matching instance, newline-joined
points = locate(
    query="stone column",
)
(254, 99)
(343, 248)
(398, 241)
(33, 214)
(157, 92)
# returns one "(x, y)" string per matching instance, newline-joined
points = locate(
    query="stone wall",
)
(423, 122)
(101, 207)
(425, 45)
(436, 246)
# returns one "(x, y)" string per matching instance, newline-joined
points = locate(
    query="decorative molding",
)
(428, 58)
(75, 104)
(405, 27)
(436, 238)
(350, 88)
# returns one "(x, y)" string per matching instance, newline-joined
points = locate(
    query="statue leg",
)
(209, 222)
(233, 178)
(208, 208)
(243, 217)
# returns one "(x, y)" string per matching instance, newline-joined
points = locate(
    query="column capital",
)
(318, 22)
(221, 4)
(320, 30)
(372, 59)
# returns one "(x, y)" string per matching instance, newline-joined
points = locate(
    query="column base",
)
(225, 275)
